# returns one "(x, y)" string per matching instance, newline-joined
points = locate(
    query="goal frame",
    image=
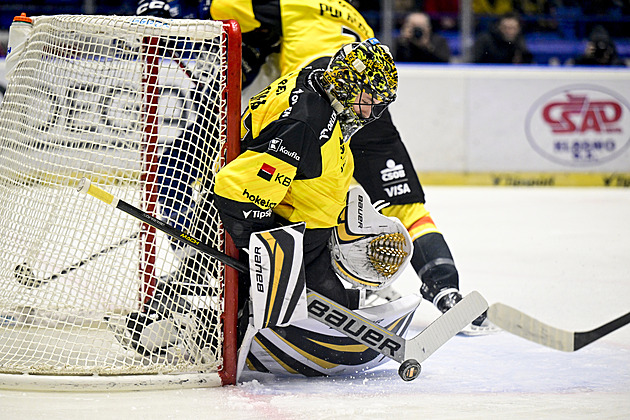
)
(232, 150)
(226, 374)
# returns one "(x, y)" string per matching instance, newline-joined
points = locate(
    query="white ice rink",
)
(559, 254)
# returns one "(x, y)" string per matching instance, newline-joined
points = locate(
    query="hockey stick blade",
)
(520, 324)
(419, 348)
(24, 273)
(445, 327)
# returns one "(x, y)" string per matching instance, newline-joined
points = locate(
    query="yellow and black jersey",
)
(308, 29)
(293, 161)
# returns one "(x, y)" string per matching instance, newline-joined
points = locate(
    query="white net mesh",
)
(139, 107)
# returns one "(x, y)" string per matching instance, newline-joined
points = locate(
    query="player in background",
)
(301, 31)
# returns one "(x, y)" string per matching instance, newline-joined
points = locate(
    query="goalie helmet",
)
(367, 249)
(355, 70)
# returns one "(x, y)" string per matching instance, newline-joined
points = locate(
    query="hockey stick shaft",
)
(327, 311)
(582, 339)
(86, 186)
(22, 270)
(520, 324)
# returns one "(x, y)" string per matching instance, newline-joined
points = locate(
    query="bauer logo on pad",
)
(266, 172)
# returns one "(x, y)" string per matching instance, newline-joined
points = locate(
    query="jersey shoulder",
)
(293, 98)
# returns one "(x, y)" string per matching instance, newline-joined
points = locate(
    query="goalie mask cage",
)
(90, 298)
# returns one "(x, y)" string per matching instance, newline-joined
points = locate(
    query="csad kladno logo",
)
(579, 125)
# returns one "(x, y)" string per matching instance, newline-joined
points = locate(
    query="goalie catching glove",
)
(368, 249)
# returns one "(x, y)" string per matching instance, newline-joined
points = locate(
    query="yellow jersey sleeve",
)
(256, 178)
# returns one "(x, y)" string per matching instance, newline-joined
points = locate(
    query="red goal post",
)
(150, 109)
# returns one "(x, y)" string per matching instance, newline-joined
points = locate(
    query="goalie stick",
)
(24, 273)
(410, 353)
(520, 324)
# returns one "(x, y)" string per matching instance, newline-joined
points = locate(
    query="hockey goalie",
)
(296, 163)
(285, 200)
(367, 250)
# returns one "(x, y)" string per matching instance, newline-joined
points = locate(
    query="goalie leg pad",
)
(278, 285)
(307, 347)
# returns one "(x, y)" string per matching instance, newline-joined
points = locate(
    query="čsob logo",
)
(579, 125)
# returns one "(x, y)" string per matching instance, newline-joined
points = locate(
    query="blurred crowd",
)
(504, 28)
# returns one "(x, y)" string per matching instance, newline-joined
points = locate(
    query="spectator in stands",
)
(418, 43)
(503, 43)
(600, 50)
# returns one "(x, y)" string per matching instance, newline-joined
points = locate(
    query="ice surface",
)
(559, 254)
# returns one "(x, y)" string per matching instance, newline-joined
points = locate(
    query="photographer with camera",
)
(418, 43)
(600, 50)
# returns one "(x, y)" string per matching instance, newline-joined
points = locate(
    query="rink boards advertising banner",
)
(531, 120)
(512, 124)
(548, 125)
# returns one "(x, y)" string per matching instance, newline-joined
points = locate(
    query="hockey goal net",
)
(91, 298)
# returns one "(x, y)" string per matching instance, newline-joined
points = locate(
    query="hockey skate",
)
(179, 319)
(448, 298)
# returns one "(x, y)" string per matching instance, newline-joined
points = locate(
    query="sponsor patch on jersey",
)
(256, 214)
(393, 171)
(287, 112)
(327, 131)
(394, 179)
(264, 203)
(266, 172)
(398, 189)
(295, 95)
(275, 145)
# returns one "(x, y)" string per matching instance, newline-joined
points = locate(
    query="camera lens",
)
(601, 48)
(417, 33)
